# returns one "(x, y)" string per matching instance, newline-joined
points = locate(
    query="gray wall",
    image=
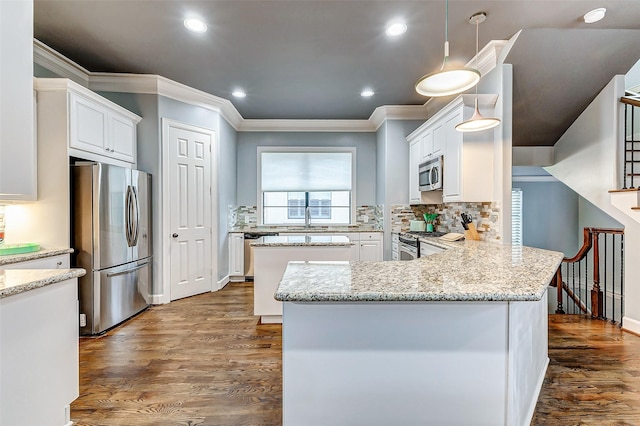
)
(248, 143)
(549, 216)
(227, 190)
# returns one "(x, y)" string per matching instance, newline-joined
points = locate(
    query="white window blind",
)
(516, 216)
(306, 171)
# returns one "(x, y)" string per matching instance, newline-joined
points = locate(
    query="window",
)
(293, 181)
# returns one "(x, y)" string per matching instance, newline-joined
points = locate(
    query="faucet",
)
(307, 217)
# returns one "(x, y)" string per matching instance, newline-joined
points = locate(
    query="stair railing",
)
(631, 170)
(603, 272)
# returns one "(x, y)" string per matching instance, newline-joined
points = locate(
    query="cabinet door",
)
(427, 145)
(18, 164)
(452, 179)
(371, 251)
(415, 157)
(122, 138)
(88, 123)
(236, 254)
(438, 140)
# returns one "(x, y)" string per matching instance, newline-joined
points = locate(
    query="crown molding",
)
(157, 85)
(48, 58)
(261, 125)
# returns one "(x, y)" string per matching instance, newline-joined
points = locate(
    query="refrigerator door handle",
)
(128, 224)
(136, 217)
(127, 271)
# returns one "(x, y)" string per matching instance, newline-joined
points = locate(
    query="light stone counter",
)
(24, 257)
(301, 229)
(301, 241)
(466, 271)
(16, 281)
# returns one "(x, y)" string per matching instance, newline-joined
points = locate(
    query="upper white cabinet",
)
(18, 164)
(468, 157)
(415, 158)
(99, 127)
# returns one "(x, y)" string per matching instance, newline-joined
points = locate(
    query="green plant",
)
(430, 217)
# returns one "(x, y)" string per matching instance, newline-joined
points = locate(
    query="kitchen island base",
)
(413, 363)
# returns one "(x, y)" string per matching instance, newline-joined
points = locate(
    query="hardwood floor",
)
(205, 361)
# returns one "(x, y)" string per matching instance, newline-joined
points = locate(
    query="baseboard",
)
(631, 325)
(222, 283)
(158, 299)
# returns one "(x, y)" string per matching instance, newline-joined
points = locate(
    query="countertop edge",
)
(25, 257)
(45, 280)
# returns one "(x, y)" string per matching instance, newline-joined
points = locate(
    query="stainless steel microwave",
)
(430, 174)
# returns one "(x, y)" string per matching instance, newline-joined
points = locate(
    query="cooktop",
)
(427, 234)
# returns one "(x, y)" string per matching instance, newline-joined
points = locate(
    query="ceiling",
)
(306, 59)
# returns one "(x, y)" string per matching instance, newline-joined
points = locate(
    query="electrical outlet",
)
(83, 320)
(365, 218)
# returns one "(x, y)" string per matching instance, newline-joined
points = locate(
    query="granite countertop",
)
(302, 241)
(41, 254)
(311, 229)
(466, 271)
(16, 281)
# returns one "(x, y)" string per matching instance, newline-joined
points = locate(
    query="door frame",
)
(164, 239)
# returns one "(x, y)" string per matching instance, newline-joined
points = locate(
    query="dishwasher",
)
(250, 237)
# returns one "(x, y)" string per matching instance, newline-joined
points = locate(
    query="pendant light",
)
(477, 122)
(448, 80)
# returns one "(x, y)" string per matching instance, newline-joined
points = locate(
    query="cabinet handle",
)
(106, 149)
(175, 235)
(59, 263)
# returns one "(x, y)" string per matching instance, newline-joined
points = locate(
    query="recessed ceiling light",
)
(367, 93)
(396, 29)
(195, 25)
(239, 93)
(595, 15)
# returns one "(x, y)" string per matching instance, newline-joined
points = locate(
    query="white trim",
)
(223, 282)
(159, 299)
(631, 325)
(250, 125)
(533, 179)
(48, 58)
(166, 124)
(532, 407)
(154, 84)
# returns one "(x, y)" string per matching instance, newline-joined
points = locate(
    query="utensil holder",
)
(471, 233)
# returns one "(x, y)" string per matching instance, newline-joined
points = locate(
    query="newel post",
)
(596, 293)
(558, 280)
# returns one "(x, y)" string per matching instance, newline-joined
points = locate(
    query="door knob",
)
(175, 235)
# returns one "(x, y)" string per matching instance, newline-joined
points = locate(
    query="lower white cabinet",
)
(39, 355)
(236, 255)
(371, 249)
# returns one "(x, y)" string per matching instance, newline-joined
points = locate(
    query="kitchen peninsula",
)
(271, 255)
(456, 338)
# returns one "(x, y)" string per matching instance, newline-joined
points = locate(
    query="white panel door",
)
(190, 207)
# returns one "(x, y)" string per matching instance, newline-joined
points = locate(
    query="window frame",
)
(296, 149)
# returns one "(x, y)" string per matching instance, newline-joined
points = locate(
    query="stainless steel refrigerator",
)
(111, 222)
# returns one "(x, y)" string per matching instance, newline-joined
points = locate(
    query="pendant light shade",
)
(477, 122)
(448, 80)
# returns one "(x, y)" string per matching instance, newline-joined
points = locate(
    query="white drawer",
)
(53, 262)
(370, 236)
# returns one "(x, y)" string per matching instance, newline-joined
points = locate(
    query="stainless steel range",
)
(409, 244)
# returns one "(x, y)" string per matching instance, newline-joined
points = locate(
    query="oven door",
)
(407, 252)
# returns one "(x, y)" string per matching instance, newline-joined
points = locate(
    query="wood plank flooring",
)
(205, 361)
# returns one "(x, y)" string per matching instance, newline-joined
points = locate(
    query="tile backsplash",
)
(485, 215)
(243, 216)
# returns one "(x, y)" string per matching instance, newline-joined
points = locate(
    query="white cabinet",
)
(468, 160)
(39, 355)
(468, 157)
(99, 128)
(53, 262)
(415, 157)
(395, 247)
(18, 164)
(370, 246)
(236, 254)
(353, 237)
